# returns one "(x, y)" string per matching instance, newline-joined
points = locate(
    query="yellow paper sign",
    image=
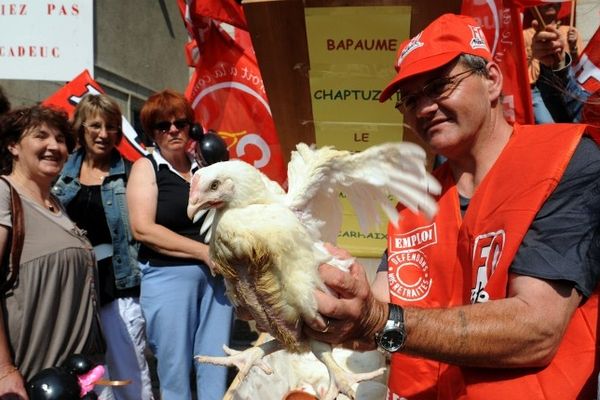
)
(352, 51)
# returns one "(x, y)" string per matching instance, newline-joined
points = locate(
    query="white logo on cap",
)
(414, 43)
(478, 39)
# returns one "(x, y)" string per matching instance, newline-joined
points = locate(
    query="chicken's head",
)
(226, 184)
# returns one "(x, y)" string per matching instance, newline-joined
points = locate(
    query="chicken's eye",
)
(214, 185)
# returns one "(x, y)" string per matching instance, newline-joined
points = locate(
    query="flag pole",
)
(539, 17)
(572, 17)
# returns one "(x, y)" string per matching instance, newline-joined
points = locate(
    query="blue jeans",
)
(124, 329)
(187, 314)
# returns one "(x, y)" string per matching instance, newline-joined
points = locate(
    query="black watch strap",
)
(396, 314)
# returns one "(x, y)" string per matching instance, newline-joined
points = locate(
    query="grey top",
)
(51, 312)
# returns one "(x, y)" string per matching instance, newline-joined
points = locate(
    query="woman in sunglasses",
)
(185, 306)
(91, 186)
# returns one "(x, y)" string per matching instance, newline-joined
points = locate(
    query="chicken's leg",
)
(244, 360)
(340, 380)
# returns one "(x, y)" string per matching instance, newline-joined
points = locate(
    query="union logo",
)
(487, 250)
(409, 276)
(414, 44)
(478, 39)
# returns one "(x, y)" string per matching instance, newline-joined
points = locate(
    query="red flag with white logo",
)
(501, 23)
(70, 94)
(587, 72)
(227, 92)
(587, 69)
(228, 95)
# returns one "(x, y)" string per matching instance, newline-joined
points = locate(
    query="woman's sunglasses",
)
(165, 126)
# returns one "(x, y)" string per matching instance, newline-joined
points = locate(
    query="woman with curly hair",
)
(51, 310)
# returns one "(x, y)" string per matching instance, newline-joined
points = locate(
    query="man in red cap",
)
(496, 298)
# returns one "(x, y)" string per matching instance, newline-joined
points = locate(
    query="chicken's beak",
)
(194, 209)
(195, 202)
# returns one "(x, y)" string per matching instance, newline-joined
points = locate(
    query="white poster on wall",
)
(46, 40)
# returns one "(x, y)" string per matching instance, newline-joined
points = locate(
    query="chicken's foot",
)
(340, 380)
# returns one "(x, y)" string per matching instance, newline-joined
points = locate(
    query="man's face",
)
(446, 107)
(549, 12)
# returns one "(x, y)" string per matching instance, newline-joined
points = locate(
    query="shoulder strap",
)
(153, 161)
(17, 238)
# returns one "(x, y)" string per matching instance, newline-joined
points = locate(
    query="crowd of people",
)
(100, 258)
(97, 260)
(552, 50)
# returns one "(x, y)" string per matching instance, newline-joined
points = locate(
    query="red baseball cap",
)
(440, 42)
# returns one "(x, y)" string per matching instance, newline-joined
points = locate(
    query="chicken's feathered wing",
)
(317, 176)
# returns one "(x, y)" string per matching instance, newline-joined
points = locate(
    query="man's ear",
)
(494, 80)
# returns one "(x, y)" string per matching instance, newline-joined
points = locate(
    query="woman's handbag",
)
(17, 235)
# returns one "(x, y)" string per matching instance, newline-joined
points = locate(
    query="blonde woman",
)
(92, 189)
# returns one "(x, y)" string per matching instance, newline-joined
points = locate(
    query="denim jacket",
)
(125, 248)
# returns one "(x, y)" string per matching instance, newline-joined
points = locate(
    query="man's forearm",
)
(492, 334)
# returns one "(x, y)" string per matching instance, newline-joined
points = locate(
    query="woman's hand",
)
(12, 385)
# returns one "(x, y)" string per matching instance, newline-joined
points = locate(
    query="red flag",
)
(501, 24)
(565, 11)
(228, 11)
(532, 3)
(587, 69)
(69, 95)
(587, 72)
(226, 89)
(228, 96)
(564, 14)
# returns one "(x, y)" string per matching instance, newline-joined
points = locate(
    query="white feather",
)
(317, 176)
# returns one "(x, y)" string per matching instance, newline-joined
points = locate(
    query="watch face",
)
(392, 340)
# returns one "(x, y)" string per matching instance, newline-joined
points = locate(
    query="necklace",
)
(100, 177)
(91, 174)
(45, 202)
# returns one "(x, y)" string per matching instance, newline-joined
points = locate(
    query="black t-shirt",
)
(87, 211)
(563, 242)
(171, 212)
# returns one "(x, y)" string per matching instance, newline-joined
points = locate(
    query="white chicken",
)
(268, 244)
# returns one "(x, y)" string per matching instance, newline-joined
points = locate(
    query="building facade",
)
(138, 50)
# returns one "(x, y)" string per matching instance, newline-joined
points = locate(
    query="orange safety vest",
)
(453, 260)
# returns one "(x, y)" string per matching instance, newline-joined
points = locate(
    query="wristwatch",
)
(393, 335)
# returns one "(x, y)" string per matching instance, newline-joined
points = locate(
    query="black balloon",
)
(196, 132)
(78, 364)
(212, 148)
(90, 396)
(53, 384)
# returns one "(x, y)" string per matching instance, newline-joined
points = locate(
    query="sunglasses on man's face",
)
(165, 126)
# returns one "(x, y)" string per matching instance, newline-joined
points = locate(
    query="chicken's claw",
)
(244, 360)
(340, 380)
